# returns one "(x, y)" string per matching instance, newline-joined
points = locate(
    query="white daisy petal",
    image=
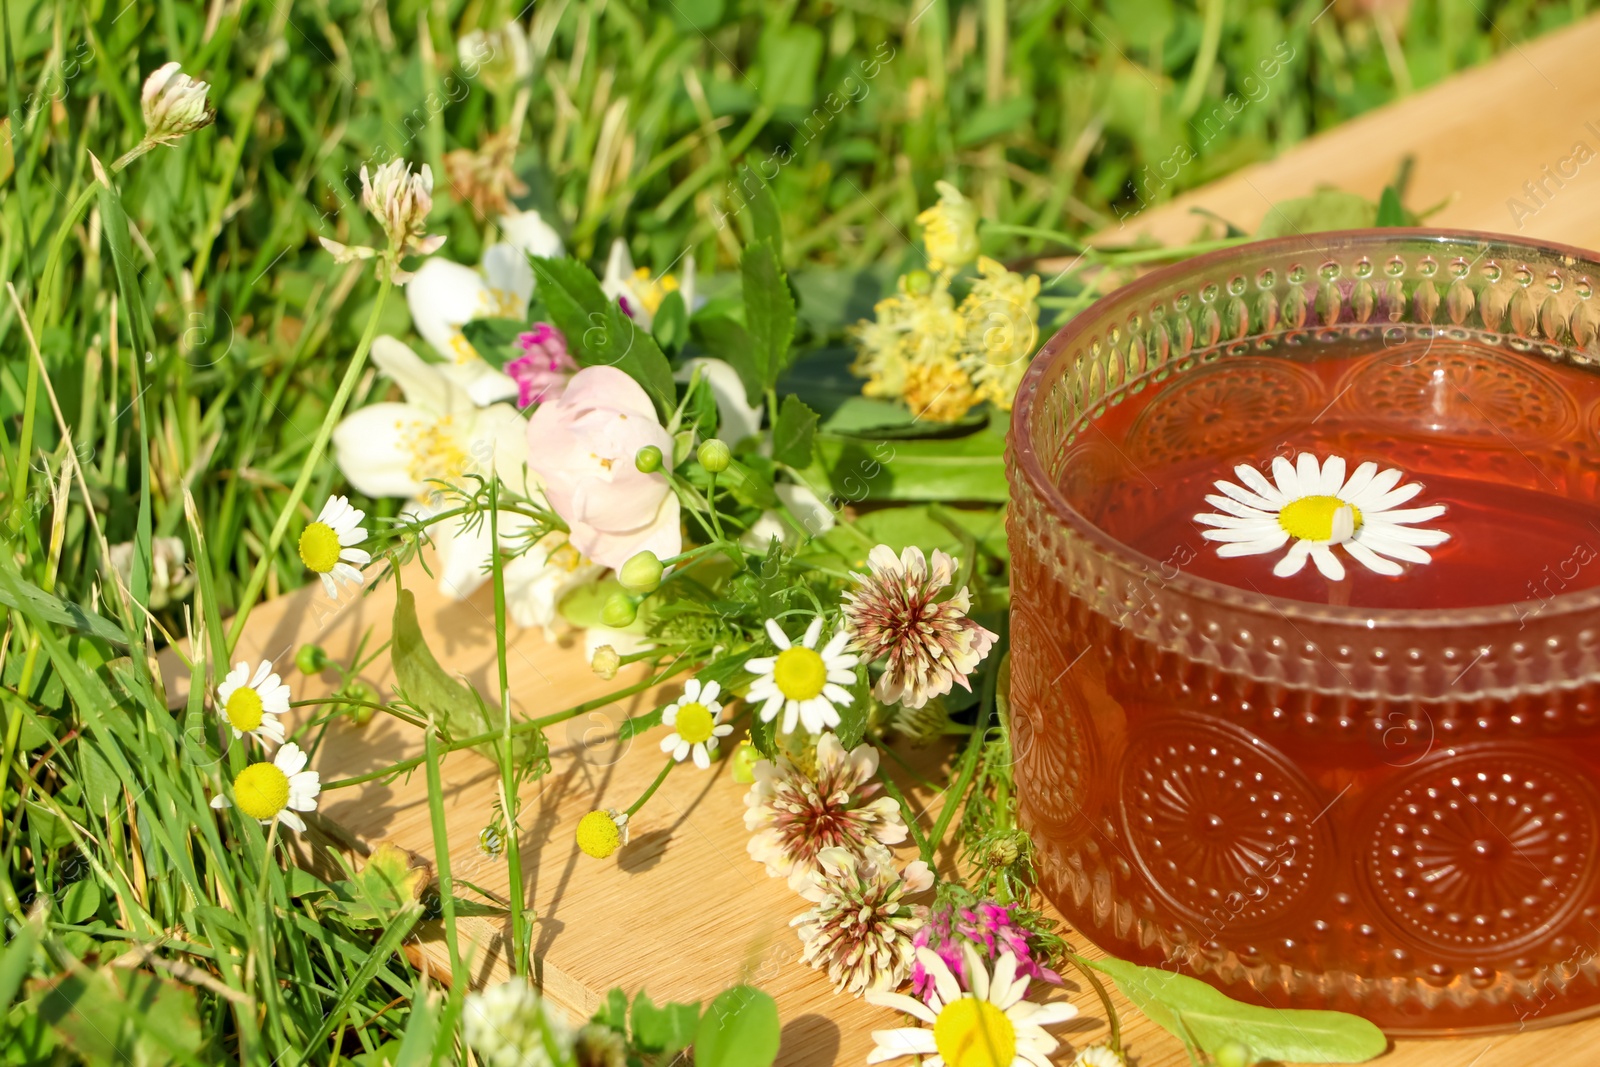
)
(812, 633)
(1230, 522)
(1269, 494)
(1404, 534)
(1293, 560)
(1249, 499)
(1388, 546)
(1309, 473)
(779, 638)
(1252, 548)
(1371, 560)
(1229, 506)
(1332, 475)
(1326, 561)
(1283, 473)
(1409, 515)
(1253, 533)
(1356, 485)
(1394, 498)
(291, 820)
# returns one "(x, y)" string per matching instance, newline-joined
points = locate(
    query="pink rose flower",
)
(582, 444)
(542, 372)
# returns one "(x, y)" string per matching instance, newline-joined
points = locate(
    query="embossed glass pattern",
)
(1381, 799)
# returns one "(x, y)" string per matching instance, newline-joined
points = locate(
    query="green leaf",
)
(17, 959)
(700, 15)
(599, 333)
(787, 61)
(768, 312)
(739, 1029)
(766, 222)
(970, 468)
(1326, 209)
(1390, 211)
(422, 1030)
(729, 341)
(20, 594)
(1187, 1006)
(386, 887)
(80, 902)
(992, 120)
(494, 339)
(428, 686)
(613, 1011)
(122, 1016)
(666, 1029)
(102, 789)
(792, 436)
(670, 324)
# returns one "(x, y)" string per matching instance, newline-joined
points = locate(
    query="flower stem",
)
(352, 374)
(509, 801)
(648, 793)
(1088, 972)
(496, 734)
(441, 859)
(969, 767)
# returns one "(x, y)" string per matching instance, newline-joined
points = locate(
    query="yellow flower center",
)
(319, 547)
(244, 709)
(800, 673)
(1310, 518)
(694, 723)
(261, 790)
(652, 291)
(436, 453)
(975, 1033)
(598, 835)
(461, 348)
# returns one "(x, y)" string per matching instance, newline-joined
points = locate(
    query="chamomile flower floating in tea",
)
(251, 704)
(327, 545)
(808, 686)
(795, 814)
(267, 791)
(990, 1025)
(693, 718)
(1311, 507)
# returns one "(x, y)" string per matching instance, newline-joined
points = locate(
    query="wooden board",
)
(682, 911)
(1476, 141)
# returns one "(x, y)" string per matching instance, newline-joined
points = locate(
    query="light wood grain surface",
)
(682, 911)
(1477, 140)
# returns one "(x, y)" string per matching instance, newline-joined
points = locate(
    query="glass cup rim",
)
(1028, 464)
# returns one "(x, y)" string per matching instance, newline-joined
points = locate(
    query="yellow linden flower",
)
(276, 790)
(950, 229)
(1002, 330)
(939, 392)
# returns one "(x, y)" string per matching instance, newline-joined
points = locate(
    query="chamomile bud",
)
(620, 610)
(600, 833)
(311, 659)
(605, 662)
(744, 761)
(641, 573)
(648, 459)
(714, 456)
(174, 104)
(1233, 1054)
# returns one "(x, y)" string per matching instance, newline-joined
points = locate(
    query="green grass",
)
(194, 353)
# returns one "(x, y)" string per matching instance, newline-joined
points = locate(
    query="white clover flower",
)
(251, 705)
(511, 1025)
(326, 545)
(174, 104)
(267, 791)
(694, 718)
(806, 685)
(400, 201)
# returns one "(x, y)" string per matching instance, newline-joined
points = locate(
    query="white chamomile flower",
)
(251, 704)
(693, 718)
(325, 545)
(989, 1026)
(266, 791)
(1311, 507)
(806, 685)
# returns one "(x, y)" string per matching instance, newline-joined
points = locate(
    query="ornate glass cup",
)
(1377, 794)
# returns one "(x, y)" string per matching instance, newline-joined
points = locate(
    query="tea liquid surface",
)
(1505, 441)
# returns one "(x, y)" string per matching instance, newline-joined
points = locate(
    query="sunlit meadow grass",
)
(172, 342)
